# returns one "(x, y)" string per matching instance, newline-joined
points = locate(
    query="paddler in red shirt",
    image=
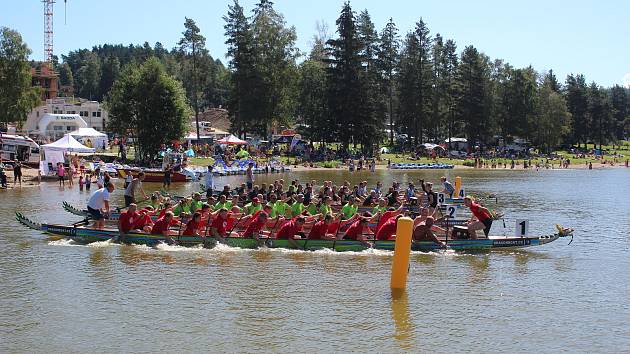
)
(289, 230)
(255, 227)
(388, 229)
(193, 227)
(388, 214)
(126, 221)
(319, 230)
(482, 216)
(357, 230)
(161, 226)
(220, 224)
(144, 221)
(248, 219)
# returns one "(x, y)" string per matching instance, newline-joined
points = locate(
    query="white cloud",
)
(626, 80)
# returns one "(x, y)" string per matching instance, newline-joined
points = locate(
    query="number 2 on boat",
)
(451, 211)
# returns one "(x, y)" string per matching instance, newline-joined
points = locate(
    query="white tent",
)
(90, 136)
(231, 140)
(54, 152)
(67, 144)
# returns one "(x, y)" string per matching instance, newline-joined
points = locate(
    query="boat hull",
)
(88, 235)
(153, 175)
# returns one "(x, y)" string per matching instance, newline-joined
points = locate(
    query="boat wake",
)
(174, 248)
(64, 242)
(100, 244)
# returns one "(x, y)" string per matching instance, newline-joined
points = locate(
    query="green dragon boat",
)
(82, 234)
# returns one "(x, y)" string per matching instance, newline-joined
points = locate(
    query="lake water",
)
(59, 297)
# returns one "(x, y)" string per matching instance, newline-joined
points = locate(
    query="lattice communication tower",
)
(48, 29)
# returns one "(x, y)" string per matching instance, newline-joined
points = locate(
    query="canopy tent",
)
(67, 144)
(90, 136)
(54, 152)
(203, 138)
(231, 140)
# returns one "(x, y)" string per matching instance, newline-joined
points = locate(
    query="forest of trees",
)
(360, 85)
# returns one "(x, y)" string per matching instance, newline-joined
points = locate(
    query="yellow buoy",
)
(402, 249)
(458, 186)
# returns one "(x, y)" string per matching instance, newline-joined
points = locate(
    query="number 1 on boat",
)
(522, 228)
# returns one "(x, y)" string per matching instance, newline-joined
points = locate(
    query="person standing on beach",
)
(71, 174)
(61, 172)
(88, 181)
(209, 185)
(249, 176)
(17, 173)
(168, 171)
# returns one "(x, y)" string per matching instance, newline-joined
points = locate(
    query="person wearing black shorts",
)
(17, 173)
(167, 176)
(482, 215)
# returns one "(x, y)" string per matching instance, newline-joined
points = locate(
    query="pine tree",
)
(424, 79)
(313, 106)
(344, 75)
(194, 42)
(407, 83)
(450, 79)
(473, 103)
(440, 86)
(599, 115)
(620, 104)
(577, 103)
(372, 113)
(242, 105)
(388, 58)
(275, 70)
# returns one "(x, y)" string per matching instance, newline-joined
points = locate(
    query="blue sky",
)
(589, 37)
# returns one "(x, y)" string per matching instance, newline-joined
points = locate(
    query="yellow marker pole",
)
(458, 186)
(402, 250)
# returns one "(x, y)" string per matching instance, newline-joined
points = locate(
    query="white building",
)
(64, 114)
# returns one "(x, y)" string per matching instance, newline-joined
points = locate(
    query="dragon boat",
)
(114, 216)
(85, 235)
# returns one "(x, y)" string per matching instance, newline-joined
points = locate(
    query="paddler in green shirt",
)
(325, 208)
(271, 213)
(183, 207)
(298, 206)
(254, 206)
(222, 203)
(280, 207)
(196, 203)
(381, 207)
(349, 209)
(312, 208)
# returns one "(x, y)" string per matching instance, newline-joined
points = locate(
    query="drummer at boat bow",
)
(98, 205)
(130, 190)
